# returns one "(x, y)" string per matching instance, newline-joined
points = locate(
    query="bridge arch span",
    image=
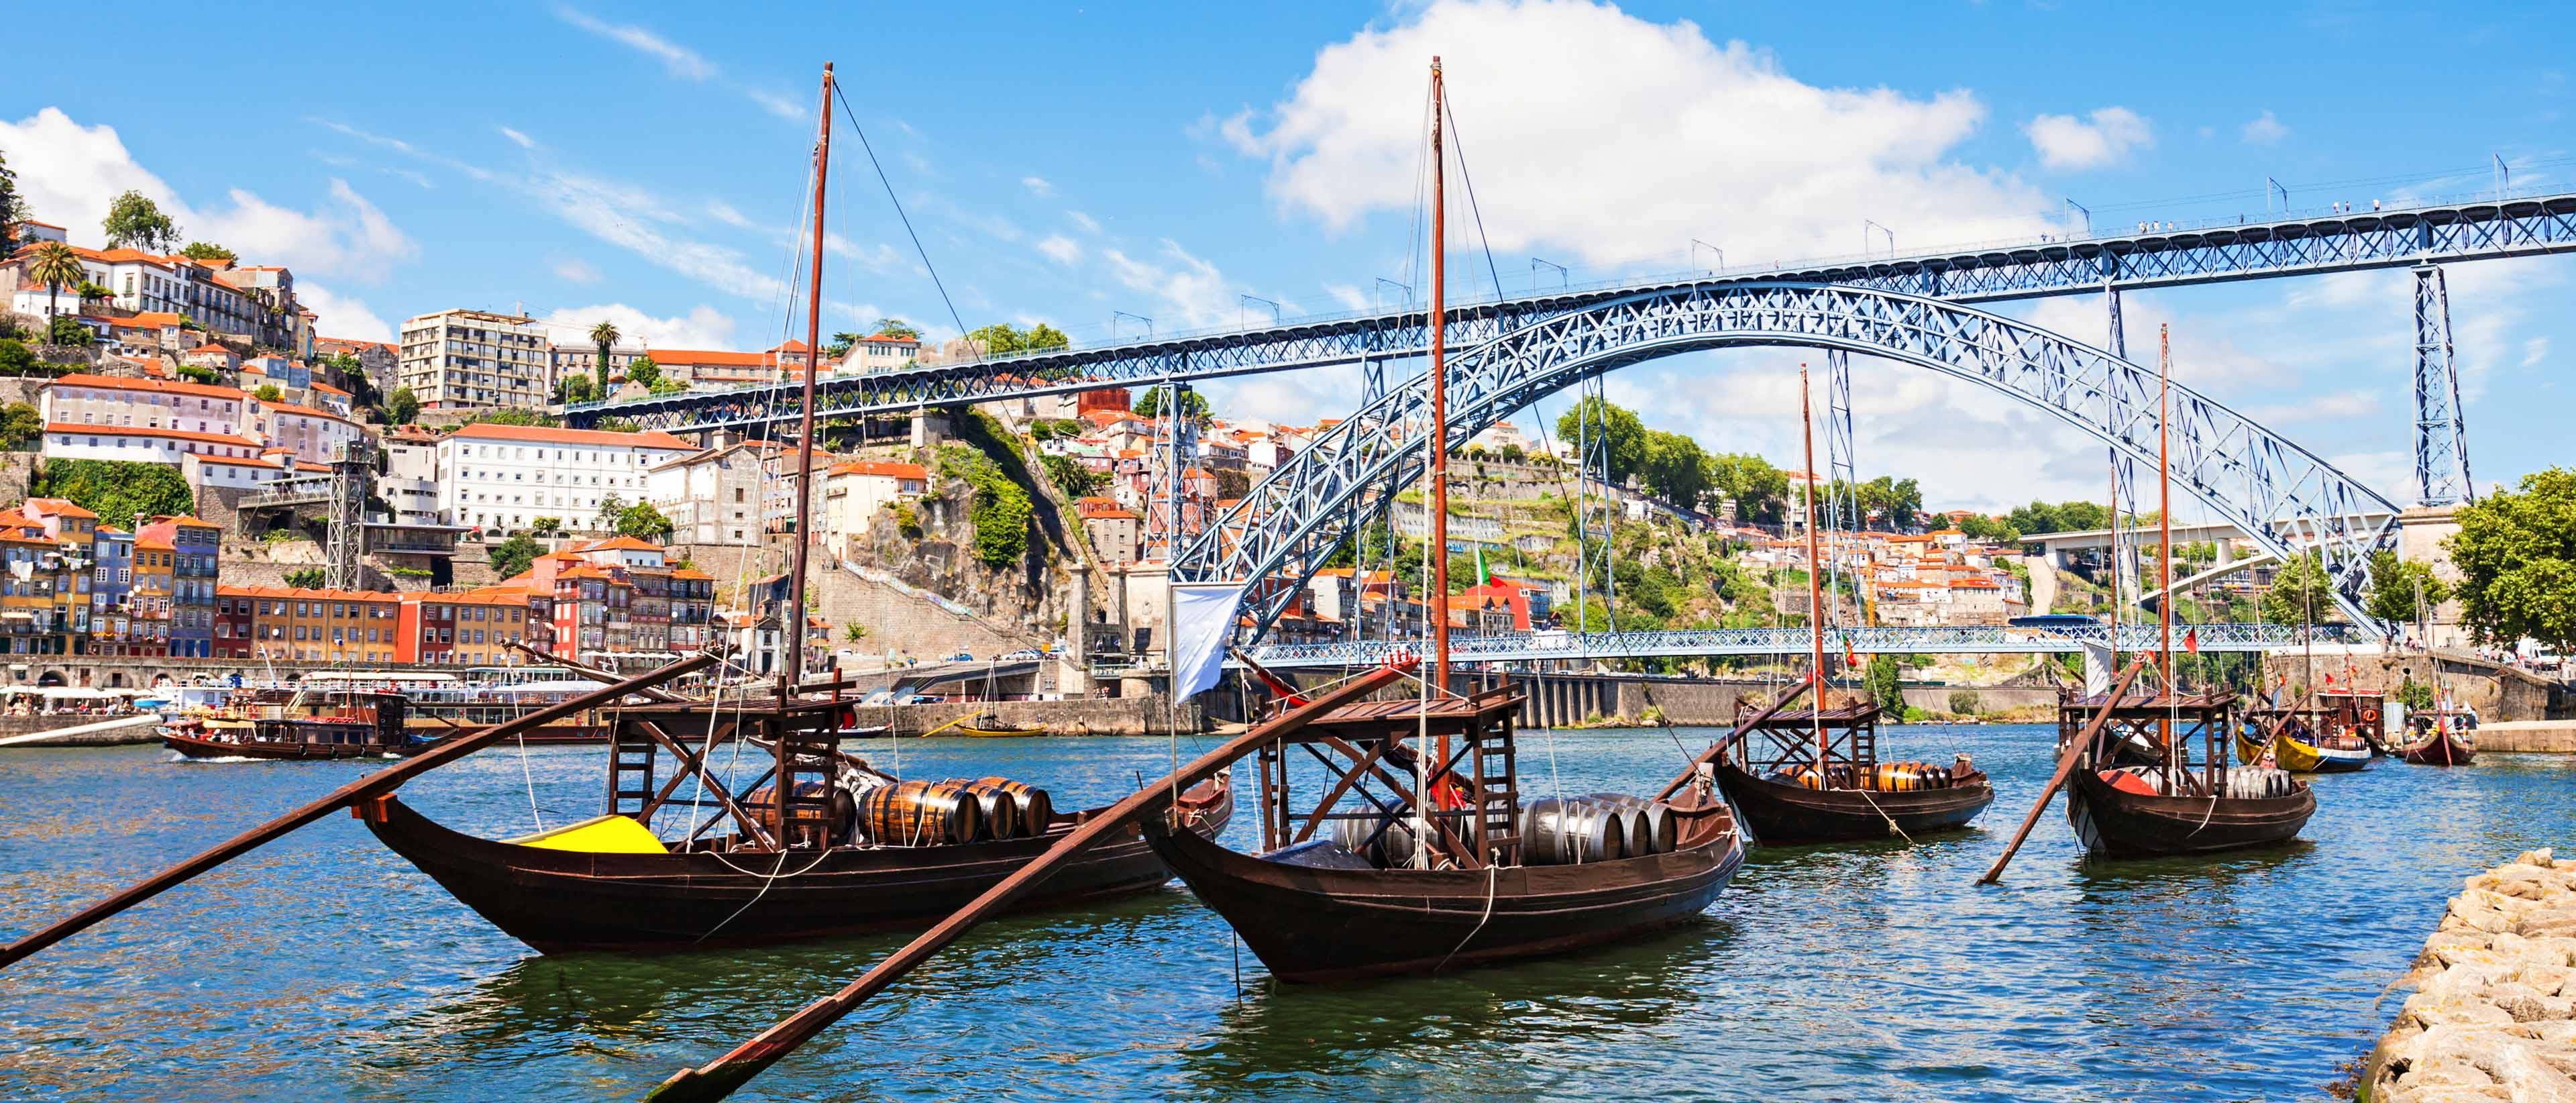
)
(2288, 498)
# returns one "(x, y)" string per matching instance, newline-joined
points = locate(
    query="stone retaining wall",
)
(2541, 736)
(1081, 716)
(2493, 1016)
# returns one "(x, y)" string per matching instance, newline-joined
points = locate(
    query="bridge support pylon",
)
(2441, 436)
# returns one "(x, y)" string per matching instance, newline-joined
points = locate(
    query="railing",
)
(1685, 643)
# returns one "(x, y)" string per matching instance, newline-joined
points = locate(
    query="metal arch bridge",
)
(1531, 647)
(2342, 242)
(2287, 499)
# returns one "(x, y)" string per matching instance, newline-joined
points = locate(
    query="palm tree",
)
(56, 267)
(604, 334)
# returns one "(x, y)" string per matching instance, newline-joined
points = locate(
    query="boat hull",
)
(562, 901)
(1314, 925)
(2332, 760)
(2440, 749)
(1778, 814)
(192, 747)
(2114, 823)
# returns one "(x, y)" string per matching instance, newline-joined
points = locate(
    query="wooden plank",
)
(690, 764)
(718, 1078)
(366, 788)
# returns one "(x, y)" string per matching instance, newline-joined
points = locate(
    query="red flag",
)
(2329, 679)
(2191, 641)
(1851, 656)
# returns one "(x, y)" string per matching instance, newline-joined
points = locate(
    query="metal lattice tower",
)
(1594, 514)
(1842, 489)
(1166, 488)
(2441, 435)
(353, 476)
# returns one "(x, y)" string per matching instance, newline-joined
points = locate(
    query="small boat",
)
(2442, 743)
(971, 732)
(297, 725)
(1496, 881)
(2328, 732)
(2122, 814)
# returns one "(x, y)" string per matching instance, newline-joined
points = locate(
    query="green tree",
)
(643, 522)
(1675, 469)
(1193, 404)
(305, 578)
(604, 335)
(1990, 529)
(20, 424)
(54, 268)
(1884, 679)
(854, 631)
(575, 388)
(841, 345)
(91, 292)
(2301, 593)
(134, 221)
(13, 209)
(612, 508)
(116, 490)
(2396, 584)
(511, 557)
(513, 416)
(1622, 435)
(669, 385)
(402, 407)
(1896, 503)
(644, 371)
(196, 374)
(70, 333)
(546, 526)
(268, 392)
(891, 327)
(1760, 491)
(15, 357)
(1075, 480)
(206, 250)
(2516, 554)
(2040, 517)
(1003, 339)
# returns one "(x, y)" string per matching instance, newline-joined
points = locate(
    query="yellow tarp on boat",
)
(600, 835)
(2288, 753)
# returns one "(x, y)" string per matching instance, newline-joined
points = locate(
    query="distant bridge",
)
(1692, 643)
(2110, 262)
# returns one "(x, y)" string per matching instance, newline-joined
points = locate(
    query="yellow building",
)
(148, 626)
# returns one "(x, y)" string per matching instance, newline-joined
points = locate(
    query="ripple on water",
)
(326, 968)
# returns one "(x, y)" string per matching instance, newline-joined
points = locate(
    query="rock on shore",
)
(2493, 1016)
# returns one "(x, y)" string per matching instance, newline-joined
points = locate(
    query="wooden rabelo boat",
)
(2440, 740)
(2177, 805)
(2329, 732)
(295, 725)
(1813, 775)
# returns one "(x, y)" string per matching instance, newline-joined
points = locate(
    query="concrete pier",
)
(2494, 1010)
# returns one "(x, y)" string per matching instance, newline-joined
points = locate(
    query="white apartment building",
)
(86, 400)
(583, 359)
(883, 352)
(508, 476)
(410, 482)
(853, 494)
(312, 435)
(137, 444)
(713, 497)
(234, 473)
(470, 358)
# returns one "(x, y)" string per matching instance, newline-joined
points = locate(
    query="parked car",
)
(961, 657)
(1024, 654)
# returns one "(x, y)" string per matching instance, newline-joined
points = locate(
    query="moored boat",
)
(2441, 744)
(296, 725)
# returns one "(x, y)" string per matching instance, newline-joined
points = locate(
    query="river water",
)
(326, 968)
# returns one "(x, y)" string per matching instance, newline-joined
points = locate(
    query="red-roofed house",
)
(1116, 534)
(881, 352)
(854, 493)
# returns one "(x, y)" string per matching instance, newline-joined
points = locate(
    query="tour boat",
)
(1814, 776)
(2329, 733)
(296, 725)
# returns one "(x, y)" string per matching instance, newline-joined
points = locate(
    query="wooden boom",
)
(365, 788)
(718, 1079)
(1719, 748)
(2066, 765)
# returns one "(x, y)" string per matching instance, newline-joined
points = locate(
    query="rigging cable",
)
(907, 219)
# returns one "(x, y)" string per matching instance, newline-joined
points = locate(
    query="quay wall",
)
(2493, 1015)
(15, 730)
(1081, 716)
(1612, 700)
(2497, 692)
(2533, 736)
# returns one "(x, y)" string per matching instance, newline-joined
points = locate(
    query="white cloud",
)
(2264, 130)
(1799, 165)
(1037, 186)
(784, 107)
(576, 270)
(1060, 249)
(1347, 295)
(2339, 405)
(642, 223)
(703, 327)
(68, 174)
(334, 316)
(680, 61)
(2066, 142)
(524, 141)
(1085, 221)
(1188, 293)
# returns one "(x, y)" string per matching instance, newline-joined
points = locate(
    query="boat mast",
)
(1815, 595)
(1439, 405)
(791, 620)
(2164, 538)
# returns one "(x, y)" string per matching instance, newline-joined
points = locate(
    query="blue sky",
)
(644, 164)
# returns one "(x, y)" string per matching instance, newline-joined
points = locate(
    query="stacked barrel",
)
(952, 812)
(1886, 777)
(1597, 828)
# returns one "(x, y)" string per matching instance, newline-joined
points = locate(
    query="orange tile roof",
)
(137, 431)
(117, 383)
(61, 506)
(886, 469)
(709, 356)
(533, 434)
(305, 411)
(326, 388)
(693, 574)
(620, 543)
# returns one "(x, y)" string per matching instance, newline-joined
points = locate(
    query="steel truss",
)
(2275, 248)
(1528, 647)
(2286, 498)
(2441, 437)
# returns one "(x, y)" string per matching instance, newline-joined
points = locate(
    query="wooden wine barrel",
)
(1570, 831)
(1000, 812)
(1036, 811)
(1663, 825)
(920, 813)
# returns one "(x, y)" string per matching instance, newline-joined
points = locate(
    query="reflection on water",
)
(325, 968)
